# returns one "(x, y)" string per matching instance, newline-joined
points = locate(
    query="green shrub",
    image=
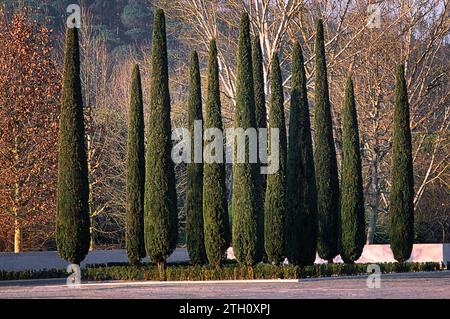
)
(228, 271)
(32, 274)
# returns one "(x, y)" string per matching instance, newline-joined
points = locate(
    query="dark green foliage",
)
(261, 122)
(72, 221)
(113, 19)
(275, 198)
(325, 158)
(215, 211)
(160, 203)
(194, 211)
(353, 233)
(33, 274)
(301, 204)
(135, 182)
(136, 14)
(246, 180)
(233, 271)
(401, 208)
(258, 80)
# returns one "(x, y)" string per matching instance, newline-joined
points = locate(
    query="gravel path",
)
(397, 286)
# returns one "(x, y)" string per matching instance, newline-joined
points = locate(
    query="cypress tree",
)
(402, 189)
(325, 158)
(352, 198)
(261, 123)
(215, 210)
(72, 222)
(135, 173)
(275, 198)
(258, 80)
(301, 214)
(246, 203)
(194, 210)
(160, 202)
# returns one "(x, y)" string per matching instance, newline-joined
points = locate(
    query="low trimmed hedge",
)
(230, 271)
(238, 272)
(32, 274)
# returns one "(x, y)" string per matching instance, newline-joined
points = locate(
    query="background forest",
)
(115, 34)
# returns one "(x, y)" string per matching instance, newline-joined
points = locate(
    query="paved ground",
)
(418, 285)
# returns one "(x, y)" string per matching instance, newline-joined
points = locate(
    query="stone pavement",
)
(393, 286)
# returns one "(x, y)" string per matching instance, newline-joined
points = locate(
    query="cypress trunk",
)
(401, 209)
(194, 210)
(275, 198)
(135, 180)
(215, 212)
(301, 214)
(327, 181)
(160, 201)
(246, 204)
(72, 223)
(353, 233)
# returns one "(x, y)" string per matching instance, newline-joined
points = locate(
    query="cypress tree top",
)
(72, 223)
(258, 79)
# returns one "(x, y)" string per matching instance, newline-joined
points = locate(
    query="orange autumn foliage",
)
(29, 110)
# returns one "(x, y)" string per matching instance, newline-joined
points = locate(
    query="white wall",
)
(51, 260)
(420, 253)
(383, 254)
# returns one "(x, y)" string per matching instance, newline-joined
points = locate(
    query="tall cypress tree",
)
(325, 158)
(353, 232)
(135, 182)
(215, 210)
(301, 214)
(275, 198)
(261, 123)
(402, 190)
(160, 203)
(258, 80)
(72, 222)
(194, 209)
(246, 180)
